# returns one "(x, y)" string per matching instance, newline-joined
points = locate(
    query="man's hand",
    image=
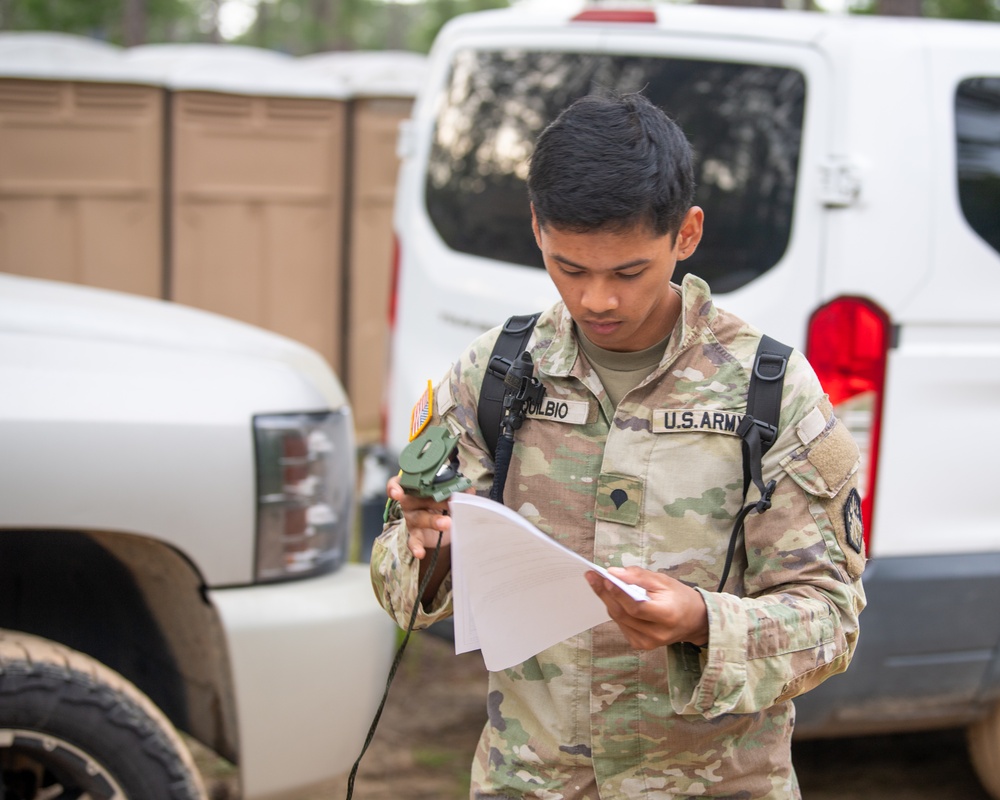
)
(425, 519)
(673, 612)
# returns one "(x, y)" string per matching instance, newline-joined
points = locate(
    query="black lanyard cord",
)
(395, 664)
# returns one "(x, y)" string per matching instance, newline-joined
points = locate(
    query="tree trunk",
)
(134, 23)
(900, 8)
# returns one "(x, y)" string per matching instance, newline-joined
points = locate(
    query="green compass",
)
(427, 466)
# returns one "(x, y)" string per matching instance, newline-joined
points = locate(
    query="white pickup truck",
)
(176, 505)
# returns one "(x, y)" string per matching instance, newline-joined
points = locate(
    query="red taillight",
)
(616, 15)
(848, 346)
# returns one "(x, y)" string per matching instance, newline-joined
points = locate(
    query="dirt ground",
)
(436, 709)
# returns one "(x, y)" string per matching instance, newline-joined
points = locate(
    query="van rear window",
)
(977, 131)
(744, 122)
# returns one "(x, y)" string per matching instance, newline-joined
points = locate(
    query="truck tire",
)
(984, 750)
(71, 727)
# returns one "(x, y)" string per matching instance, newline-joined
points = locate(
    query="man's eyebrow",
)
(638, 262)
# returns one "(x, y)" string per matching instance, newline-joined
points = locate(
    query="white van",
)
(849, 169)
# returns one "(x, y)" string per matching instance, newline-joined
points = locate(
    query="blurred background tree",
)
(299, 27)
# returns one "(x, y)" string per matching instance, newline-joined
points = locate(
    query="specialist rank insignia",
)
(421, 413)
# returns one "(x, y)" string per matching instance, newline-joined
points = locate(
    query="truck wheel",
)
(984, 749)
(71, 727)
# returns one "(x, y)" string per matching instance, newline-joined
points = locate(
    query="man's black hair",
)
(612, 163)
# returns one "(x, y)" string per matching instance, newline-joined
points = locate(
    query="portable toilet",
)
(81, 171)
(382, 86)
(255, 154)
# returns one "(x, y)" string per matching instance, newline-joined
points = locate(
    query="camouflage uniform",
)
(591, 717)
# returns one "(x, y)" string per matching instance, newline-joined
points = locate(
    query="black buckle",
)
(770, 361)
(765, 499)
(499, 366)
(767, 433)
(520, 324)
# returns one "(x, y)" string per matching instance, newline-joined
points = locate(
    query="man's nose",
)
(599, 298)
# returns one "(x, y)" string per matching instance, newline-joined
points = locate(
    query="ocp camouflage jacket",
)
(591, 717)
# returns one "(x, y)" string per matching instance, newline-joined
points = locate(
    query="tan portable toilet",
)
(81, 170)
(382, 86)
(256, 162)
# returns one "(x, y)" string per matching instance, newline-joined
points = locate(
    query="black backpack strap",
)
(509, 345)
(758, 431)
(764, 405)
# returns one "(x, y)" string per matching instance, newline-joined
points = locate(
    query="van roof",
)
(776, 25)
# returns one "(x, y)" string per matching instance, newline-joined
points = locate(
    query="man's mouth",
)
(603, 326)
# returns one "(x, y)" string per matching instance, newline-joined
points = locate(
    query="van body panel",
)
(935, 492)
(920, 662)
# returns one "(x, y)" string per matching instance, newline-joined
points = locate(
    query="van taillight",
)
(848, 347)
(616, 15)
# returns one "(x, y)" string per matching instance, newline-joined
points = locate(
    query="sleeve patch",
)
(854, 527)
(421, 413)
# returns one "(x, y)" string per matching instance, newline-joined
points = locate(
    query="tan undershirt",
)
(621, 372)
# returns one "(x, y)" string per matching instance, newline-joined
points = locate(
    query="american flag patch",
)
(421, 413)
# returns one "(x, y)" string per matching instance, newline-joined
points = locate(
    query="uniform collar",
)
(555, 330)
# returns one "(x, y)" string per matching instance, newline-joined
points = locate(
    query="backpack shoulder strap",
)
(760, 426)
(766, 385)
(759, 430)
(509, 345)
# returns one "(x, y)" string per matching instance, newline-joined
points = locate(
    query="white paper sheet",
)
(516, 590)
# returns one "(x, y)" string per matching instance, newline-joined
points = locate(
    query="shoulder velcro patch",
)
(823, 466)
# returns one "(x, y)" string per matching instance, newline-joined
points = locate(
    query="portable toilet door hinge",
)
(840, 182)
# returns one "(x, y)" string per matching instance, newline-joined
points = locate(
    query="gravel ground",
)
(436, 709)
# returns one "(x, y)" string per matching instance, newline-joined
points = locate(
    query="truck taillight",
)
(305, 483)
(848, 346)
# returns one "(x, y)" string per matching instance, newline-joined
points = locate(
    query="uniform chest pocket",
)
(696, 474)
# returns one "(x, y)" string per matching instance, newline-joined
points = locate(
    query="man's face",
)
(616, 285)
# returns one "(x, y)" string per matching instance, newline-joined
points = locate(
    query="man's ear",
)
(689, 235)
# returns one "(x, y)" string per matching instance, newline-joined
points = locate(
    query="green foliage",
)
(963, 9)
(100, 19)
(437, 12)
(308, 26)
(984, 10)
(297, 27)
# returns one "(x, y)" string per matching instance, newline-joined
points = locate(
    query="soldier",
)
(688, 693)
